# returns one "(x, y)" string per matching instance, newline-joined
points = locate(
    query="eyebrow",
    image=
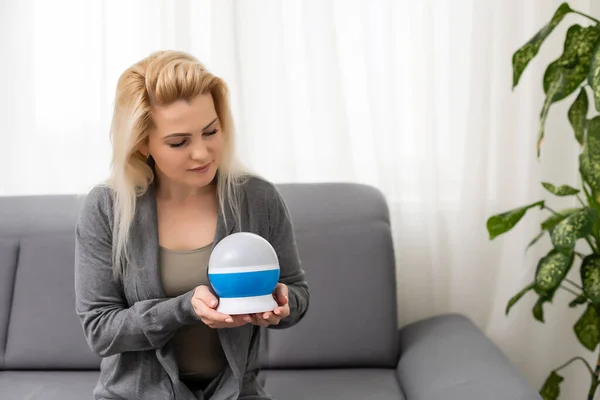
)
(189, 134)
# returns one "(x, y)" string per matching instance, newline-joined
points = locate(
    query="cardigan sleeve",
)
(110, 325)
(282, 238)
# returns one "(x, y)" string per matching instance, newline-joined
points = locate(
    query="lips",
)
(201, 168)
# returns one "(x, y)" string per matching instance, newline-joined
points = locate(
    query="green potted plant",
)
(576, 71)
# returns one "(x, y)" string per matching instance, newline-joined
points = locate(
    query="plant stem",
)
(581, 201)
(551, 210)
(593, 374)
(591, 245)
(595, 381)
(587, 192)
(589, 367)
(574, 284)
(594, 249)
(569, 290)
(591, 199)
(587, 16)
(593, 388)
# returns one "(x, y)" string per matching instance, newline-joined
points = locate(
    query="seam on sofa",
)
(11, 301)
(400, 385)
(343, 225)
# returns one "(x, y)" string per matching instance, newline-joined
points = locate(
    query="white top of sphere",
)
(242, 251)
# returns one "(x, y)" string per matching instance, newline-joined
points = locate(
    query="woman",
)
(145, 236)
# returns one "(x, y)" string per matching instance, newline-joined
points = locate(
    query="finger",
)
(282, 311)
(282, 300)
(257, 319)
(271, 318)
(242, 319)
(208, 302)
(208, 313)
(203, 293)
(281, 293)
(282, 289)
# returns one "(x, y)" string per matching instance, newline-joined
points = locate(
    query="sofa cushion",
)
(348, 257)
(44, 331)
(9, 248)
(342, 384)
(26, 215)
(448, 357)
(48, 385)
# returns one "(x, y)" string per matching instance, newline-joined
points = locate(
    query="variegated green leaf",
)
(501, 223)
(550, 272)
(589, 165)
(579, 300)
(565, 74)
(574, 227)
(564, 190)
(594, 76)
(587, 328)
(554, 219)
(525, 54)
(549, 223)
(517, 297)
(574, 62)
(590, 277)
(592, 141)
(578, 115)
(551, 388)
(556, 86)
(589, 159)
(538, 309)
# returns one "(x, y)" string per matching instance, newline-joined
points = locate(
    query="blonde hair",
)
(161, 79)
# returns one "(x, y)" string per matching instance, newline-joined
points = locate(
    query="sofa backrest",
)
(345, 245)
(37, 310)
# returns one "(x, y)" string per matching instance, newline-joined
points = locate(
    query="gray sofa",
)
(347, 347)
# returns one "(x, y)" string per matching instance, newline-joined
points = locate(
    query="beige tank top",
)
(197, 347)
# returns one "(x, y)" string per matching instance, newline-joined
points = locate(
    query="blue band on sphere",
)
(244, 284)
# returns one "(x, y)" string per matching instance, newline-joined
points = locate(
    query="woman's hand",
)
(280, 294)
(204, 303)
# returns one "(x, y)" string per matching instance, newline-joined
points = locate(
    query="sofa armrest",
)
(449, 358)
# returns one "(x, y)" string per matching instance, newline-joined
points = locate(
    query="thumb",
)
(203, 293)
(282, 295)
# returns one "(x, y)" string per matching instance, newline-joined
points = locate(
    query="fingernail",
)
(229, 320)
(213, 303)
(266, 316)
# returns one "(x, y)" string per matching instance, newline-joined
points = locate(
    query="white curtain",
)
(413, 97)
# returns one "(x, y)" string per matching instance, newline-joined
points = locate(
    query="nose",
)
(199, 151)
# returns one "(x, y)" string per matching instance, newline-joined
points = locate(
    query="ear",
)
(144, 150)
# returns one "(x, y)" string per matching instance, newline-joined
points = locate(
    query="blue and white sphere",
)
(243, 270)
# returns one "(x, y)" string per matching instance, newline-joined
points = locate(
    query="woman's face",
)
(186, 142)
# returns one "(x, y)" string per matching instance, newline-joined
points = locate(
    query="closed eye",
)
(175, 145)
(184, 141)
